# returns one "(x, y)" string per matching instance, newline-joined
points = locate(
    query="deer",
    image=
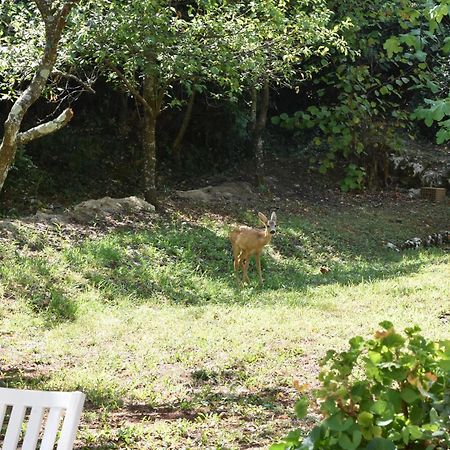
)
(247, 241)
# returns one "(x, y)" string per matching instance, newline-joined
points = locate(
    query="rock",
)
(419, 166)
(228, 191)
(101, 208)
(434, 178)
(407, 170)
(391, 246)
(8, 225)
(45, 217)
(413, 193)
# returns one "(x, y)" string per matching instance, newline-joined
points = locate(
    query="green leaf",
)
(393, 340)
(415, 432)
(446, 46)
(405, 435)
(416, 414)
(275, 120)
(409, 395)
(386, 325)
(356, 342)
(293, 436)
(365, 418)
(301, 407)
(357, 437)
(280, 446)
(420, 55)
(395, 400)
(336, 423)
(411, 40)
(392, 45)
(434, 416)
(443, 135)
(375, 357)
(445, 363)
(379, 407)
(350, 444)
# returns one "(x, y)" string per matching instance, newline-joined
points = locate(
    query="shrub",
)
(389, 392)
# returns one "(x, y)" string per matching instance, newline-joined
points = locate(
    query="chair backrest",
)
(41, 414)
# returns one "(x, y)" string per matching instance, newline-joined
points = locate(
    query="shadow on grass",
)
(183, 263)
(190, 265)
(42, 284)
(23, 378)
(212, 403)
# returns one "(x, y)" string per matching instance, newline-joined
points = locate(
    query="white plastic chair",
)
(44, 411)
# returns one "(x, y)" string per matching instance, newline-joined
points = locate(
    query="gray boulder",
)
(228, 191)
(102, 208)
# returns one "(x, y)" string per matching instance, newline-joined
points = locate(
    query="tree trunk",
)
(176, 148)
(151, 111)
(253, 112)
(54, 24)
(260, 124)
(149, 149)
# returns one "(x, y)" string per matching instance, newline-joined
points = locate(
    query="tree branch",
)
(43, 8)
(46, 128)
(86, 86)
(134, 92)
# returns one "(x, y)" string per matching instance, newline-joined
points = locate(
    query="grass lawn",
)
(147, 320)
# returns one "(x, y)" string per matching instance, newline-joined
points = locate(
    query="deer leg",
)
(258, 266)
(236, 262)
(245, 264)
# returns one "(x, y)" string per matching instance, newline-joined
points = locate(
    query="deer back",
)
(249, 239)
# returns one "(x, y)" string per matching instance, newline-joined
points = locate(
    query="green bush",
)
(389, 392)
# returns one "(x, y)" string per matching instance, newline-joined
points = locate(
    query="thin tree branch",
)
(86, 86)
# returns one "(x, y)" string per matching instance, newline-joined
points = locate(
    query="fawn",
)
(248, 241)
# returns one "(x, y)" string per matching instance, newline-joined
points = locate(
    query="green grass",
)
(150, 324)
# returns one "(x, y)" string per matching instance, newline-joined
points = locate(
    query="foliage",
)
(22, 39)
(354, 178)
(392, 62)
(427, 32)
(389, 392)
(232, 44)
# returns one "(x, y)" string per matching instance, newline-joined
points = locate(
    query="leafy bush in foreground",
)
(390, 392)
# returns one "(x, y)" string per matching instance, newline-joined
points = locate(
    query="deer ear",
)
(262, 218)
(273, 217)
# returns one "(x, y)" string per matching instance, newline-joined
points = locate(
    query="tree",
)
(149, 47)
(284, 44)
(53, 16)
(145, 47)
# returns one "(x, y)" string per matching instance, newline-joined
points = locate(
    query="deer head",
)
(271, 225)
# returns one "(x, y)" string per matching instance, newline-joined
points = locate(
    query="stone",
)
(228, 191)
(101, 208)
(419, 166)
